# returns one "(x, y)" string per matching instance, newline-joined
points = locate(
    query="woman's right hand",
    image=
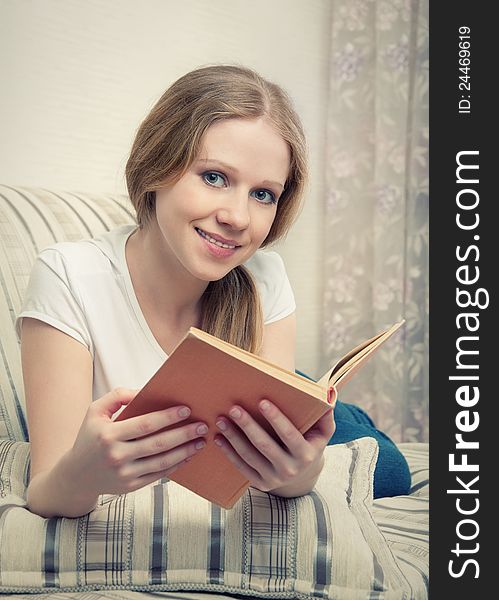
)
(115, 457)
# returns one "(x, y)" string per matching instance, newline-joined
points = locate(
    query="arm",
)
(279, 341)
(57, 372)
(77, 451)
(269, 467)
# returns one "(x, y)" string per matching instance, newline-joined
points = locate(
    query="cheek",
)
(172, 209)
(162, 217)
(264, 222)
(161, 206)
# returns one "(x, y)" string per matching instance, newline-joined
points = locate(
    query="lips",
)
(217, 240)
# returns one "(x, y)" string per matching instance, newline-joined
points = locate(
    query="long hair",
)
(170, 139)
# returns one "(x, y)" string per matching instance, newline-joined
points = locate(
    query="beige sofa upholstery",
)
(335, 543)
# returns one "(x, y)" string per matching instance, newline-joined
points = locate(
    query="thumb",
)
(114, 401)
(323, 429)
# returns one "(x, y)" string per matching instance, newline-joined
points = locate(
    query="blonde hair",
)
(170, 139)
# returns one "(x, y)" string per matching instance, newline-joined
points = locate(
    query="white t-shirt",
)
(84, 289)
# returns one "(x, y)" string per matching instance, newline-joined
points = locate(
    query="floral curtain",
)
(376, 209)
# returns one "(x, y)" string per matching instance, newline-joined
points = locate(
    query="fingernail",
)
(200, 445)
(202, 429)
(235, 413)
(185, 411)
(222, 425)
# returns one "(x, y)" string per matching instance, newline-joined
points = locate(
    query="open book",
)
(210, 376)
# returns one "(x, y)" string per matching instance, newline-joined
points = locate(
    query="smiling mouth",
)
(213, 241)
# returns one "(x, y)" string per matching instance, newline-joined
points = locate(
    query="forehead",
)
(252, 146)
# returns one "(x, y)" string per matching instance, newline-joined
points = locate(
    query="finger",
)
(165, 440)
(321, 432)
(147, 479)
(110, 403)
(144, 480)
(252, 475)
(138, 427)
(166, 461)
(256, 456)
(284, 428)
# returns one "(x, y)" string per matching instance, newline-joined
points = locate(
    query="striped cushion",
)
(164, 537)
(30, 220)
(404, 521)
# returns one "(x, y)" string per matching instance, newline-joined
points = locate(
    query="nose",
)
(235, 211)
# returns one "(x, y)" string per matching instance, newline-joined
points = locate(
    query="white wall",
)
(77, 77)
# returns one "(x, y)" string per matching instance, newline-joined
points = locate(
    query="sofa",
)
(163, 540)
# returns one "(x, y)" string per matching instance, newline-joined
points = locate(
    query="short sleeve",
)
(272, 282)
(52, 297)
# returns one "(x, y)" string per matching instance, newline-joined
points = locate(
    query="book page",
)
(352, 361)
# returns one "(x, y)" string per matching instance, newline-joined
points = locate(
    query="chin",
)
(204, 271)
(211, 275)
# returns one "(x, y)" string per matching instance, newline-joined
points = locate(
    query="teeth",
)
(212, 240)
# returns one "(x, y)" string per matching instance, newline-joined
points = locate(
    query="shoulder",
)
(85, 256)
(69, 282)
(266, 266)
(271, 279)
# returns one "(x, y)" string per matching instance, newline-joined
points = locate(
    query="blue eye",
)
(213, 178)
(264, 196)
(216, 179)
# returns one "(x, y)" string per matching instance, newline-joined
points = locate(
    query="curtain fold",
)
(376, 209)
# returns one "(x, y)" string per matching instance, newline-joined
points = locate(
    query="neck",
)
(160, 280)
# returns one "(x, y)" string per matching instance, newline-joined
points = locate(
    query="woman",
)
(217, 171)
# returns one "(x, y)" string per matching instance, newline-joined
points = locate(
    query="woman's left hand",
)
(291, 470)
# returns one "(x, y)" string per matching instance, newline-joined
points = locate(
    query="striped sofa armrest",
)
(165, 538)
(30, 220)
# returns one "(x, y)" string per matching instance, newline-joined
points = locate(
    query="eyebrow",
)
(228, 167)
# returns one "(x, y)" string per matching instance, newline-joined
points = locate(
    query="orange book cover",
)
(210, 376)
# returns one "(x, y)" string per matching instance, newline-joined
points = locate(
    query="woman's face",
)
(219, 213)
